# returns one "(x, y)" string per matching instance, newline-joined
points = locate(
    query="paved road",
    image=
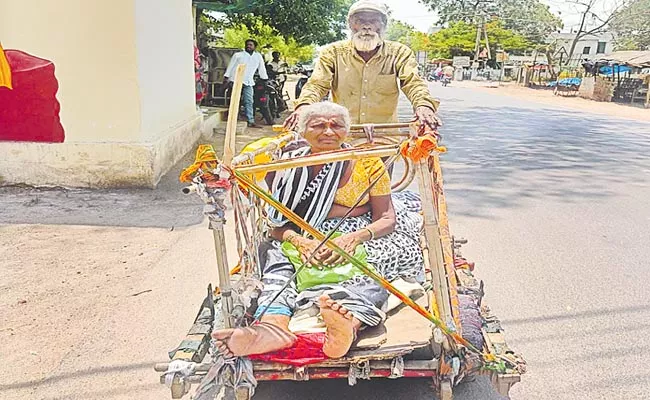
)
(556, 205)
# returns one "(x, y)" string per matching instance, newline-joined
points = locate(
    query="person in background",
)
(278, 66)
(254, 63)
(448, 71)
(279, 69)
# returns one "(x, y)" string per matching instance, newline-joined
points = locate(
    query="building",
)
(122, 75)
(591, 47)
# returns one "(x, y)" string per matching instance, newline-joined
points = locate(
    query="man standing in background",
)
(254, 63)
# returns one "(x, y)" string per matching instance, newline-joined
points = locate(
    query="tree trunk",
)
(550, 61)
(580, 30)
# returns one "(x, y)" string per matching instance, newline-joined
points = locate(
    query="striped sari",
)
(311, 196)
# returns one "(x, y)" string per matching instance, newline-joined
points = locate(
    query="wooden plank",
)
(433, 243)
(233, 113)
(445, 237)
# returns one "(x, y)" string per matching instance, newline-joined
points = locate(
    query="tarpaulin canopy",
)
(616, 69)
(630, 57)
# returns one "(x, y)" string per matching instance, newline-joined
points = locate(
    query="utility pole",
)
(477, 45)
(487, 41)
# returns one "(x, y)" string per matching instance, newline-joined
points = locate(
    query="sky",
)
(416, 14)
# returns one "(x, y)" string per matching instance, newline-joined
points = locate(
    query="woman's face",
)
(325, 133)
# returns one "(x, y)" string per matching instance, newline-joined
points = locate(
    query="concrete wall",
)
(564, 40)
(126, 89)
(165, 63)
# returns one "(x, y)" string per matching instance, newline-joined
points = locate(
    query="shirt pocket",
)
(386, 84)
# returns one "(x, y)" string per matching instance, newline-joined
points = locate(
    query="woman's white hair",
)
(323, 109)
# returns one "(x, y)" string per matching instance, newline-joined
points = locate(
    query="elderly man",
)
(366, 73)
(254, 63)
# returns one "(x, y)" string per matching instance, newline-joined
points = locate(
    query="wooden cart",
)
(407, 345)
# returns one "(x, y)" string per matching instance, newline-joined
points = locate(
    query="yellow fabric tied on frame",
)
(261, 158)
(206, 160)
(5, 70)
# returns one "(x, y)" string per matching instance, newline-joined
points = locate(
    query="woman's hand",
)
(306, 247)
(347, 242)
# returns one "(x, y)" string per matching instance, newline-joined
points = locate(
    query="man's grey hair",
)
(323, 109)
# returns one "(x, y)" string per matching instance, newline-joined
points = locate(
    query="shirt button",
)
(365, 80)
(363, 114)
(363, 97)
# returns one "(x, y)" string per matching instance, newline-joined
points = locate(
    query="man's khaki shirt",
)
(370, 91)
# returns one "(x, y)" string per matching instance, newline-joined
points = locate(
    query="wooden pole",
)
(487, 41)
(233, 112)
(477, 44)
(433, 243)
(319, 159)
(445, 237)
(359, 127)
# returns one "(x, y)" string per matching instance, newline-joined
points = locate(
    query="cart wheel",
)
(266, 113)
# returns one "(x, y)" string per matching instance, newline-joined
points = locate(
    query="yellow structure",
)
(126, 89)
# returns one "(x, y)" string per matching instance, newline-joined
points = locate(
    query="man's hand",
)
(427, 118)
(292, 120)
(225, 83)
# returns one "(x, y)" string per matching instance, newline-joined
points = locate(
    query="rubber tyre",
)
(266, 113)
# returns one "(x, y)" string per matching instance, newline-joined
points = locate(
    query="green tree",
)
(528, 18)
(406, 34)
(398, 31)
(459, 39)
(291, 51)
(307, 22)
(631, 26)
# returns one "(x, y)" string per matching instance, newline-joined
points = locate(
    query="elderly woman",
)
(322, 194)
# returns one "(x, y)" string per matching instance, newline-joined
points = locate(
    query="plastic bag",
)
(311, 275)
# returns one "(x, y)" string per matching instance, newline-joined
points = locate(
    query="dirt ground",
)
(570, 103)
(98, 285)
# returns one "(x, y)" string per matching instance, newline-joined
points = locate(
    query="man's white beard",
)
(366, 41)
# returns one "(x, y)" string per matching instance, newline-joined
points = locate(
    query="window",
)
(586, 50)
(601, 47)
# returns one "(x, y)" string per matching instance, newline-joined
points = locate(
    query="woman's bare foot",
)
(341, 327)
(258, 339)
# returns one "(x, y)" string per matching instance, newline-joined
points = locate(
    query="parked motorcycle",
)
(305, 73)
(275, 91)
(261, 100)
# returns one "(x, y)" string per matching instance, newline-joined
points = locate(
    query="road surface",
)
(555, 204)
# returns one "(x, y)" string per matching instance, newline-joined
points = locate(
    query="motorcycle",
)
(261, 101)
(275, 91)
(305, 73)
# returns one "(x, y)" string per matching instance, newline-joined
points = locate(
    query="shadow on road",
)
(500, 156)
